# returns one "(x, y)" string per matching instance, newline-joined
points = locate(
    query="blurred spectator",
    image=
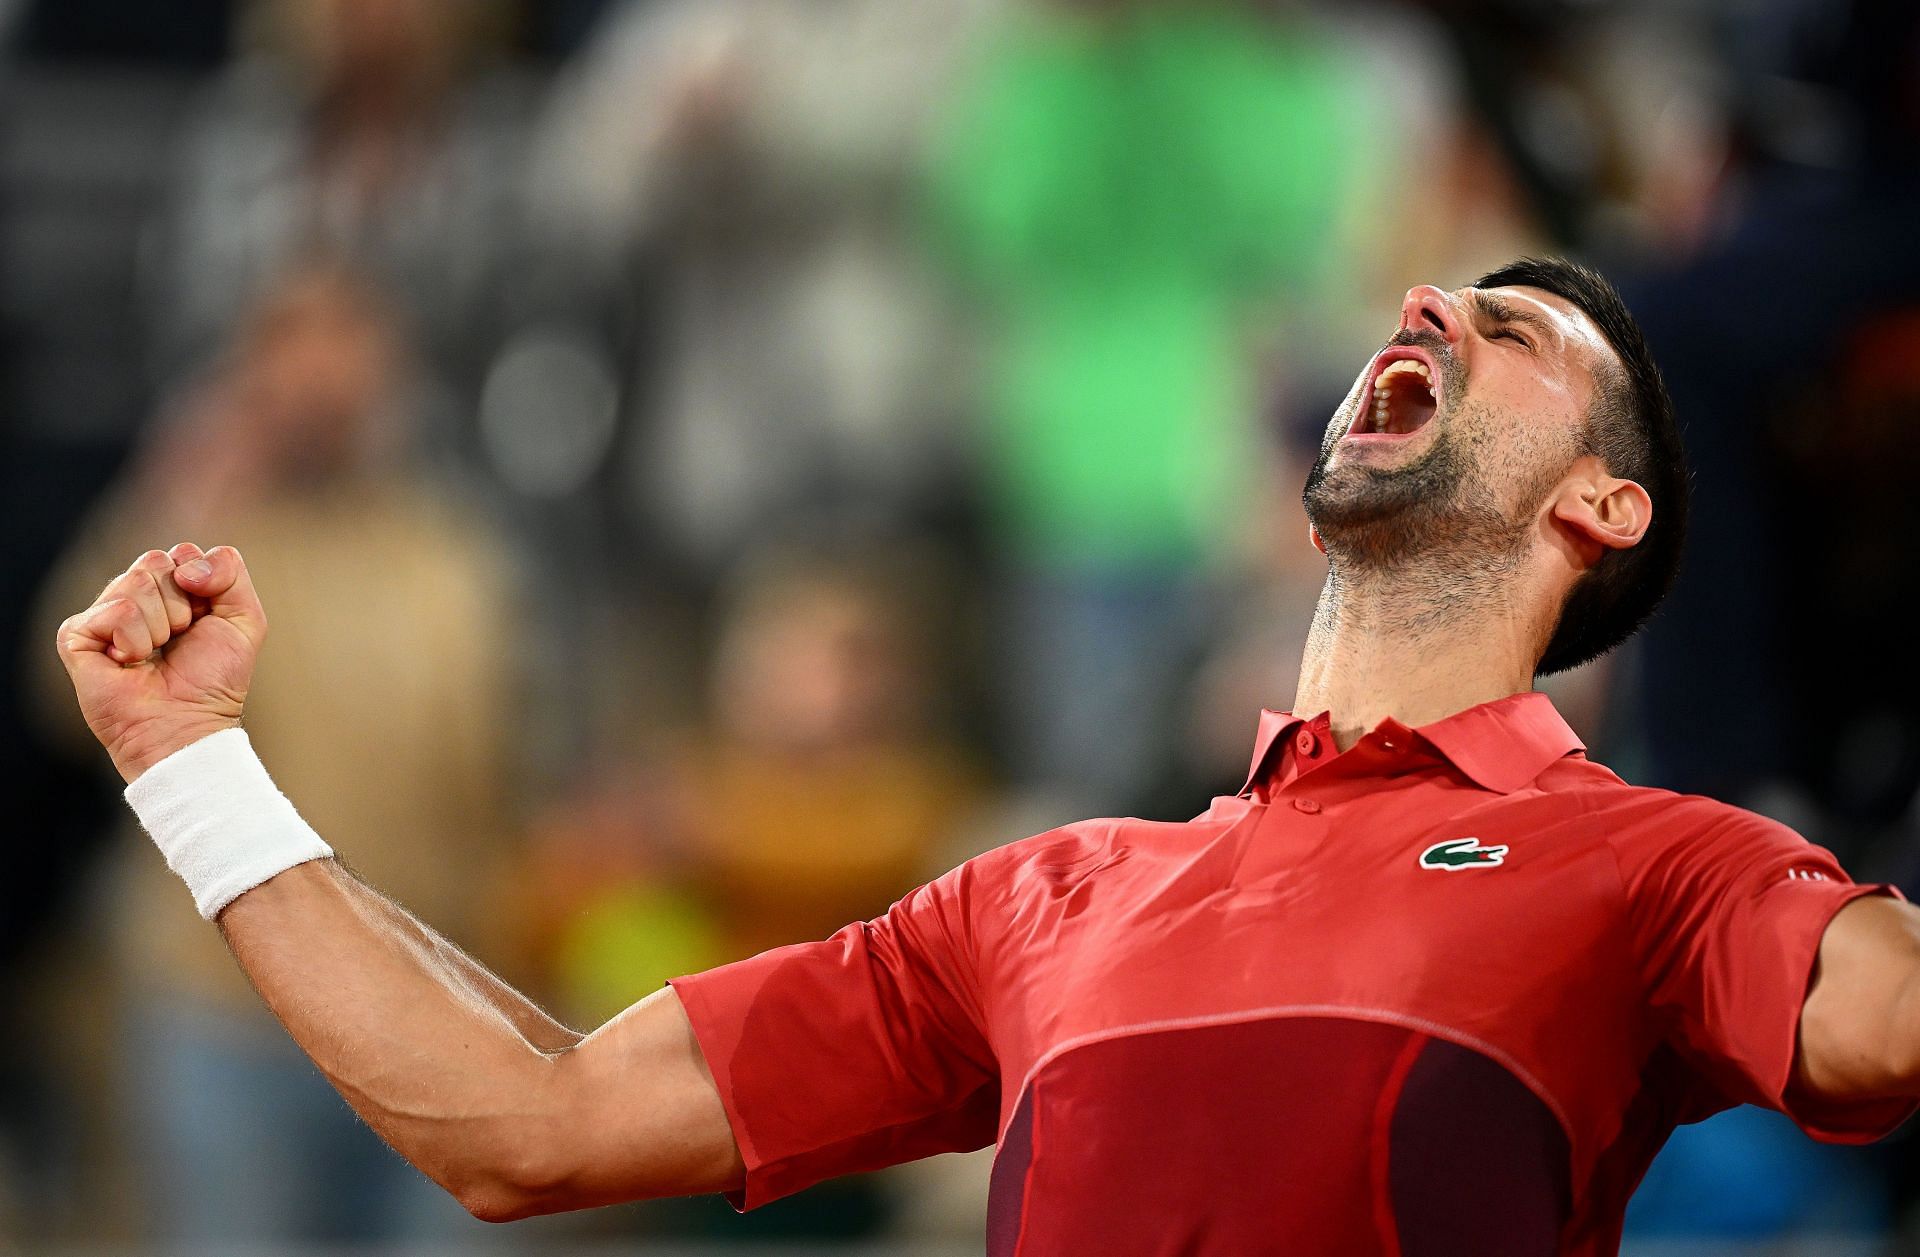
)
(826, 783)
(375, 129)
(749, 161)
(829, 688)
(1776, 338)
(1123, 188)
(384, 704)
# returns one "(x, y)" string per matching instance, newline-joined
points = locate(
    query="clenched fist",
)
(164, 655)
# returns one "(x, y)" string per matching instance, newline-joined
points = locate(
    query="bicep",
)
(1860, 1025)
(643, 1117)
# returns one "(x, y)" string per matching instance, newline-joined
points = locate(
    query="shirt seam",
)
(1388, 1016)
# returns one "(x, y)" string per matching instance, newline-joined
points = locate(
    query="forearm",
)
(449, 1064)
(534, 1024)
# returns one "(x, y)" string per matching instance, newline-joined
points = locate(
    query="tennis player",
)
(1433, 982)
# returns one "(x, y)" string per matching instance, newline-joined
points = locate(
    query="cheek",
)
(1513, 452)
(1535, 460)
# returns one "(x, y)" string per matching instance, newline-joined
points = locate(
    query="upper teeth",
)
(1398, 366)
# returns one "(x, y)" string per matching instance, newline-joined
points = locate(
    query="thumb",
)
(220, 577)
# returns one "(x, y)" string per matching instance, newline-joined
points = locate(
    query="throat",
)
(1378, 649)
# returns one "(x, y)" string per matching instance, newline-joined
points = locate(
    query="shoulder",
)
(1027, 875)
(1637, 818)
(1087, 844)
(1671, 843)
(1006, 891)
(1655, 834)
(1056, 854)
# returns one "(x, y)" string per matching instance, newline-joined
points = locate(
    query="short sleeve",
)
(860, 1051)
(1728, 920)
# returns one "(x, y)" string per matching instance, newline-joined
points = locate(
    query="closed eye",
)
(1513, 336)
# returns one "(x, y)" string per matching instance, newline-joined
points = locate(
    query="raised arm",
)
(502, 1105)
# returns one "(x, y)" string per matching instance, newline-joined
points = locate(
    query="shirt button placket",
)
(1292, 834)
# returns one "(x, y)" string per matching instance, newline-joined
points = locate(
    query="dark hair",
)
(1632, 430)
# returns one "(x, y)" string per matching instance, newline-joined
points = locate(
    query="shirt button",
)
(1307, 805)
(1306, 743)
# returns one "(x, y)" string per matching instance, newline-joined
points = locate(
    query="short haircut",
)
(1631, 429)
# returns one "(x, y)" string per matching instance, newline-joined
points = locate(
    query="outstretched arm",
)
(1860, 1026)
(499, 1103)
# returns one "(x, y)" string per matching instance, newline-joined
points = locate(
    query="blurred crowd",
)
(715, 464)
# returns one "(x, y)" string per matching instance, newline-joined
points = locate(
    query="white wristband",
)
(217, 817)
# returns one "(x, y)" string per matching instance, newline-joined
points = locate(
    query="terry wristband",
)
(217, 817)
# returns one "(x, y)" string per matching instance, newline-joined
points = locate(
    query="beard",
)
(1440, 511)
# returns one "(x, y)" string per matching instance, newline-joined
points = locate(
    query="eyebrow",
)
(1500, 311)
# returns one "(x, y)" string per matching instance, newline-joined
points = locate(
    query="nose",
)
(1428, 309)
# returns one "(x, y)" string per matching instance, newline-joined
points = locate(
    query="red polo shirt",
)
(1446, 992)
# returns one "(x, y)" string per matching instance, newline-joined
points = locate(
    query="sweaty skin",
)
(515, 1114)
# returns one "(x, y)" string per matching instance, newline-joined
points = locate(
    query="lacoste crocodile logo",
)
(1461, 853)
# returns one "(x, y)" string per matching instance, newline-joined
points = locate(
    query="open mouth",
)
(1401, 399)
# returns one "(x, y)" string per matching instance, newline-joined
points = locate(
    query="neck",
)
(1416, 646)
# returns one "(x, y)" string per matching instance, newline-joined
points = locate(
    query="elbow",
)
(510, 1187)
(514, 1165)
(518, 1156)
(491, 1205)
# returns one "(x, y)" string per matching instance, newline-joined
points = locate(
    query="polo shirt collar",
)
(1505, 744)
(1502, 745)
(1274, 727)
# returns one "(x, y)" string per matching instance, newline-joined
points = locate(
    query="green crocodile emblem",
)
(1461, 853)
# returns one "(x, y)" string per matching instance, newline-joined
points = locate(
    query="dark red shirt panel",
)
(1289, 1134)
(1103, 998)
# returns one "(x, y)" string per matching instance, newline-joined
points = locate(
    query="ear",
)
(1603, 512)
(1313, 535)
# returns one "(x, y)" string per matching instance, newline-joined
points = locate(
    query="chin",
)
(1350, 502)
(1376, 515)
(1345, 485)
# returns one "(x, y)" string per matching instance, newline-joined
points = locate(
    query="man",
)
(1431, 983)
